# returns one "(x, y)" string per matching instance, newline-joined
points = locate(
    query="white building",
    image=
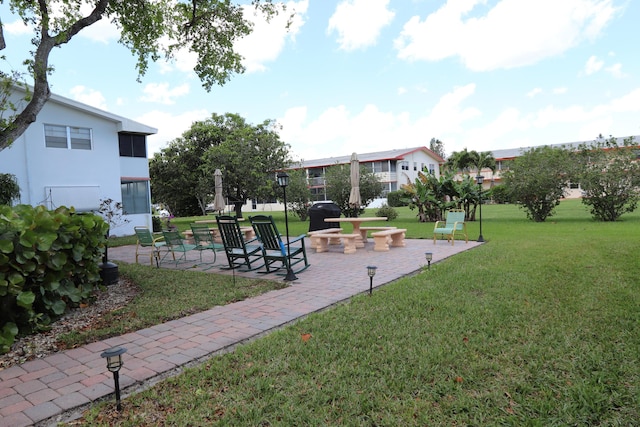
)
(77, 155)
(392, 167)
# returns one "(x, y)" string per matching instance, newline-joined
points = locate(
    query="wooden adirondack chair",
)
(239, 252)
(274, 249)
(454, 223)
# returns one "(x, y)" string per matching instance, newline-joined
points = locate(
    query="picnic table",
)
(356, 222)
(248, 233)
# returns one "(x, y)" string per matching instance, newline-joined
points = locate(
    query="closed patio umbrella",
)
(354, 198)
(218, 200)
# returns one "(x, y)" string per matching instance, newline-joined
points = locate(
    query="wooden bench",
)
(363, 231)
(381, 239)
(316, 242)
(348, 240)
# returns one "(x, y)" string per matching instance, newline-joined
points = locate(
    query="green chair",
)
(204, 241)
(175, 243)
(146, 240)
(239, 252)
(454, 222)
(274, 250)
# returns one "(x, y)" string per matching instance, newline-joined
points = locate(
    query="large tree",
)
(609, 175)
(151, 29)
(537, 180)
(339, 187)
(248, 156)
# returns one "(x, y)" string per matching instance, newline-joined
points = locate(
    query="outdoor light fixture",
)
(480, 179)
(283, 181)
(429, 257)
(114, 363)
(371, 271)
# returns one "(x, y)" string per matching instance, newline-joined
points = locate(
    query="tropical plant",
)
(48, 262)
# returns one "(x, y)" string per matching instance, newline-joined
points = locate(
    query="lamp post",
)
(371, 271)
(114, 363)
(429, 257)
(479, 180)
(283, 181)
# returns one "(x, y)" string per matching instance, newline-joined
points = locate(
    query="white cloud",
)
(338, 131)
(89, 96)
(402, 90)
(169, 126)
(513, 33)
(560, 90)
(533, 92)
(615, 70)
(162, 94)
(16, 28)
(359, 22)
(593, 65)
(267, 40)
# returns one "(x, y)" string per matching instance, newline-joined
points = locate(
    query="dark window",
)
(132, 145)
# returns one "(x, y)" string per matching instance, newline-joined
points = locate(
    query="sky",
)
(372, 75)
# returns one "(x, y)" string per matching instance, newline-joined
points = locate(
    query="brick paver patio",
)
(59, 387)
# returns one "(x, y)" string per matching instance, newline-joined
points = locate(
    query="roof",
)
(510, 153)
(398, 154)
(123, 124)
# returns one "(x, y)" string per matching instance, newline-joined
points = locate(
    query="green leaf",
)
(6, 246)
(44, 241)
(25, 299)
(58, 307)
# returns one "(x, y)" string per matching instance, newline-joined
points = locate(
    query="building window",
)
(415, 166)
(135, 197)
(132, 145)
(404, 166)
(432, 168)
(75, 138)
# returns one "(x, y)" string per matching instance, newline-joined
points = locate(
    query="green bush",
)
(388, 211)
(500, 194)
(9, 188)
(156, 224)
(49, 260)
(394, 199)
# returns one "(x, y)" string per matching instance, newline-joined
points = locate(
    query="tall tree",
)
(150, 29)
(248, 156)
(537, 180)
(609, 175)
(437, 147)
(339, 187)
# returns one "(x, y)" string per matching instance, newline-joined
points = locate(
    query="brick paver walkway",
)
(60, 386)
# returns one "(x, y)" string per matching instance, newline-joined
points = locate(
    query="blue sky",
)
(369, 75)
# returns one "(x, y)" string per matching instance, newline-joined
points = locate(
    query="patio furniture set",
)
(246, 250)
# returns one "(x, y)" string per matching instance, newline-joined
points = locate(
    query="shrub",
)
(388, 211)
(49, 260)
(500, 194)
(156, 224)
(9, 188)
(394, 199)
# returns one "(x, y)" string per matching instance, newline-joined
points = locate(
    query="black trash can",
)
(321, 210)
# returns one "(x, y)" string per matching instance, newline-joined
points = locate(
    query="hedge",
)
(49, 261)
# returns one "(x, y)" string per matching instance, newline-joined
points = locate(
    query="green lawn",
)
(538, 327)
